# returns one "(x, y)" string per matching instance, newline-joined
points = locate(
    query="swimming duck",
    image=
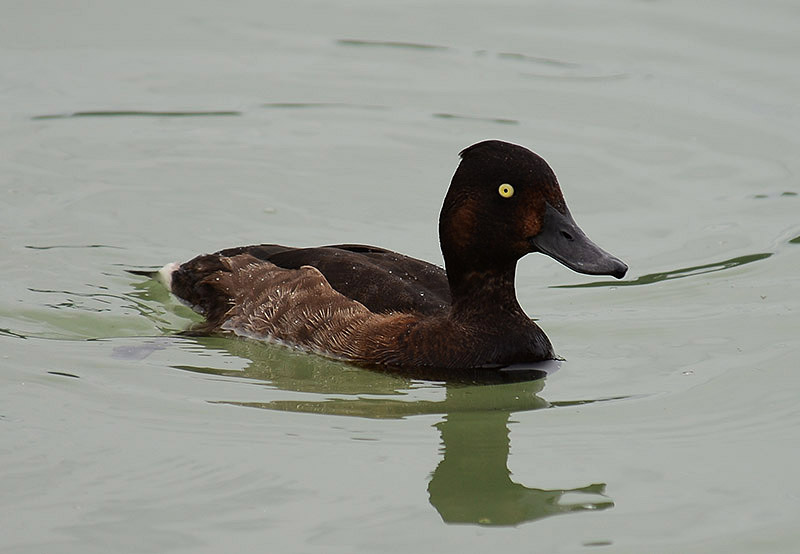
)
(375, 307)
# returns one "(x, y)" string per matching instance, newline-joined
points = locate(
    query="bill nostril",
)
(566, 235)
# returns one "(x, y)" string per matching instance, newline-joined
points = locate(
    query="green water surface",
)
(136, 134)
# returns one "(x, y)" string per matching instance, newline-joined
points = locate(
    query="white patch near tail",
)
(165, 274)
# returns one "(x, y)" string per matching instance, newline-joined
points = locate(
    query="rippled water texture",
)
(135, 134)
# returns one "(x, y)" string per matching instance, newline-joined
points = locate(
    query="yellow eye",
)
(506, 190)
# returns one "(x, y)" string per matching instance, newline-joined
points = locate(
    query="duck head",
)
(504, 202)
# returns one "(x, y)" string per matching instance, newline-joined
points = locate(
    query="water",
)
(137, 134)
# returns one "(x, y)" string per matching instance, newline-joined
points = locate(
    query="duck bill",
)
(562, 240)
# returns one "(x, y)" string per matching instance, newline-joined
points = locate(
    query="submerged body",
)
(376, 307)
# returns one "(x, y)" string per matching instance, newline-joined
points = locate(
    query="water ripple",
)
(54, 246)
(390, 44)
(501, 120)
(137, 113)
(536, 59)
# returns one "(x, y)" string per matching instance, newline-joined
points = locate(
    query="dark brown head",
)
(504, 202)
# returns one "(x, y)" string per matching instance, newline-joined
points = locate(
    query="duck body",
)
(375, 307)
(358, 303)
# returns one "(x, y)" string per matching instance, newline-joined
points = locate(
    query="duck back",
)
(365, 274)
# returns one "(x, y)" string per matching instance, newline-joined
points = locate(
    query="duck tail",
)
(163, 275)
(203, 283)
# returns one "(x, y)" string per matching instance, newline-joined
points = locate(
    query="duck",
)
(373, 307)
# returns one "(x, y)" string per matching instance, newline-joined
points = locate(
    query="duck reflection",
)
(472, 483)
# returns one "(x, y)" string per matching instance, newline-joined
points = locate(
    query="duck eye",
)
(506, 190)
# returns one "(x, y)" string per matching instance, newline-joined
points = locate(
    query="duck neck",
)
(485, 293)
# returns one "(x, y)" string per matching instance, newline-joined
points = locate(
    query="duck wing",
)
(382, 280)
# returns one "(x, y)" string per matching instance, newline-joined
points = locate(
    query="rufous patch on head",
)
(532, 221)
(462, 224)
